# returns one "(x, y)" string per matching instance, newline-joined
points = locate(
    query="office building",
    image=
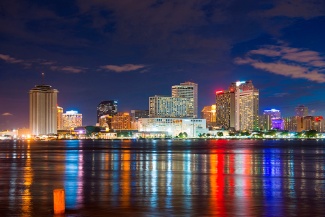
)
(43, 110)
(105, 121)
(71, 119)
(188, 90)
(225, 109)
(108, 107)
(168, 107)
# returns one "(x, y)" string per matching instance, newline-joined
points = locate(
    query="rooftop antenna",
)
(43, 75)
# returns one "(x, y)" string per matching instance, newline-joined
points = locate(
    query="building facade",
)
(168, 107)
(121, 121)
(71, 119)
(188, 90)
(108, 107)
(135, 115)
(173, 126)
(43, 110)
(209, 114)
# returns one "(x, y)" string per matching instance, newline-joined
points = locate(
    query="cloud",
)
(296, 8)
(7, 114)
(72, 69)
(123, 68)
(9, 59)
(287, 61)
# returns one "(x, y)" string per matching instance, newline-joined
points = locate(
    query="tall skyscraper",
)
(247, 105)
(108, 107)
(188, 90)
(225, 109)
(71, 119)
(168, 107)
(301, 111)
(43, 110)
(238, 107)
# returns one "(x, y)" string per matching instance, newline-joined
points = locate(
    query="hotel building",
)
(43, 110)
(168, 107)
(188, 90)
(238, 107)
(71, 119)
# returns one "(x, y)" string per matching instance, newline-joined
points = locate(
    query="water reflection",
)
(219, 177)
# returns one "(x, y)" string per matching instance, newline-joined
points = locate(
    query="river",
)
(164, 177)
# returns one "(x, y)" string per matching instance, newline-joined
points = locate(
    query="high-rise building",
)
(209, 114)
(225, 109)
(238, 107)
(271, 119)
(121, 121)
(168, 107)
(59, 118)
(301, 111)
(274, 113)
(188, 90)
(108, 107)
(43, 110)
(71, 119)
(247, 105)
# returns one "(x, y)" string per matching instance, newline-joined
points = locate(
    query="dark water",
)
(164, 178)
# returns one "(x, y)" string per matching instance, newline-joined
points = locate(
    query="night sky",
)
(130, 50)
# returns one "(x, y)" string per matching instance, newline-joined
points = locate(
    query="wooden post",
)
(59, 201)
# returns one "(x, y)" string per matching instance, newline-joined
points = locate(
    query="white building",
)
(173, 126)
(43, 110)
(168, 107)
(71, 119)
(188, 90)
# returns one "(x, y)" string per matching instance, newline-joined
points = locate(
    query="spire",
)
(43, 75)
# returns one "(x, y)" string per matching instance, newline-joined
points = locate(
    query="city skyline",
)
(95, 51)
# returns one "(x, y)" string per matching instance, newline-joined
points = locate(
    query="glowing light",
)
(219, 91)
(239, 83)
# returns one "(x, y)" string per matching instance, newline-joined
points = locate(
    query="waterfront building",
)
(71, 119)
(274, 113)
(59, 118)
(225, 109)
(168, 107)
(173, 126)
(188, 90)
(43, 110)
(121, 121)
(271, 119)
(301, 111)
(209, 114)
(265, 122)
(108, 107)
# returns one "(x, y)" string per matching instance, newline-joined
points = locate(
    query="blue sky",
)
(129, 50)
